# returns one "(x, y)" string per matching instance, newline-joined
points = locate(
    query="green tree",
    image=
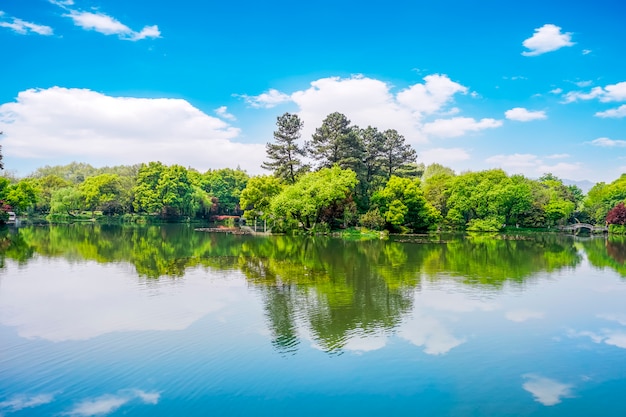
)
(225, 186)
(436, 169)
(285, 154)
(147, 198)
(403, 205)
(395, 153)
(257, 196)
(315, 192)
(48, 185)
(100, 191)
(65, 201)
(436, 190)
(23, 195)
(336, 142)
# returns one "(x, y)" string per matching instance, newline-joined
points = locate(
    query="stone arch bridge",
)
(577, 227)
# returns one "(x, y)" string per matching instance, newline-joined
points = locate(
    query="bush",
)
(372, 220)
(617, 229)
(484, 225)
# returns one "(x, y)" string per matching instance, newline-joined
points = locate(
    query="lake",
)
(102, 320)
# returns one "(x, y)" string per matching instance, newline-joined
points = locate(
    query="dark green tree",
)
(336, 142)
(395, 153)
(285, 154)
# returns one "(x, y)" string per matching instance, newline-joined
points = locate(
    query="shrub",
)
(372, 220)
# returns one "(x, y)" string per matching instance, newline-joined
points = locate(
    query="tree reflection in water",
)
(330, 288)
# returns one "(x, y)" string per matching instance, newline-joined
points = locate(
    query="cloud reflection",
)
(545, 390)
(429, 333)
(610, 337)
(520, 316)
(108, 403)
(20, 402)
(86, 300)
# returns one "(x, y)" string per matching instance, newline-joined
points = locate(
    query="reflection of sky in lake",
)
(83, 339)
(89, 300)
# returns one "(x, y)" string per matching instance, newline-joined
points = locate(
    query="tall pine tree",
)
(396, 153)
(285, 154)
(336, 142)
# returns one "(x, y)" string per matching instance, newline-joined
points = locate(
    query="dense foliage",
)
(343, 176)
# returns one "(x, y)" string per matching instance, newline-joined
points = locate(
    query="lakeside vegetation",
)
(345, 176)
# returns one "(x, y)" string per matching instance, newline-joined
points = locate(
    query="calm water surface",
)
(165, 321)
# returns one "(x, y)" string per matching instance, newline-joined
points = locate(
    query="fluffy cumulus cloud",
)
(23, 27)
(368, 101)
(521, 114)
(609, 93)
(534, 166)
(61, 125)
(546, 391)
(546, 39)
(108, 25)
(608, 143)
(617, 113)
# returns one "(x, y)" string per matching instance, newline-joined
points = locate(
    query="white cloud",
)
(371, 102)
(608, 143)
(108, 25)
(532, 165)
(20, 402)
(107, 404)
(545, 390)
(365, 101)
(443, 155)
(514, 161)
(556, 91)
(583, 84)
(609, 93)
(271, 98)
(224, 114)
(62, 3)
(546, 39)
(520, 316)
(573, 171)
(459, 126)
(616, 113)
(558, 156)
(524, 115)
(59, 125)
(431, 96)
(23, 27)
(587, 51)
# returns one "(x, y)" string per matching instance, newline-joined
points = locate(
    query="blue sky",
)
(530, 87)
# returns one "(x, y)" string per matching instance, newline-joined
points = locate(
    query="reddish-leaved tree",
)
(617, 215)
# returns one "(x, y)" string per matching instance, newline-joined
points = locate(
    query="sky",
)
(530, 87)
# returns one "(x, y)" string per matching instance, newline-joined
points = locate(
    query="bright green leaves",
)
(315, 192)
(403, 205)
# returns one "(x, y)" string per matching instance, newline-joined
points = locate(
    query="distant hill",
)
(584, 185)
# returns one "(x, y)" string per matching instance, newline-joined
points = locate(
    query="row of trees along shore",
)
(343, 176)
